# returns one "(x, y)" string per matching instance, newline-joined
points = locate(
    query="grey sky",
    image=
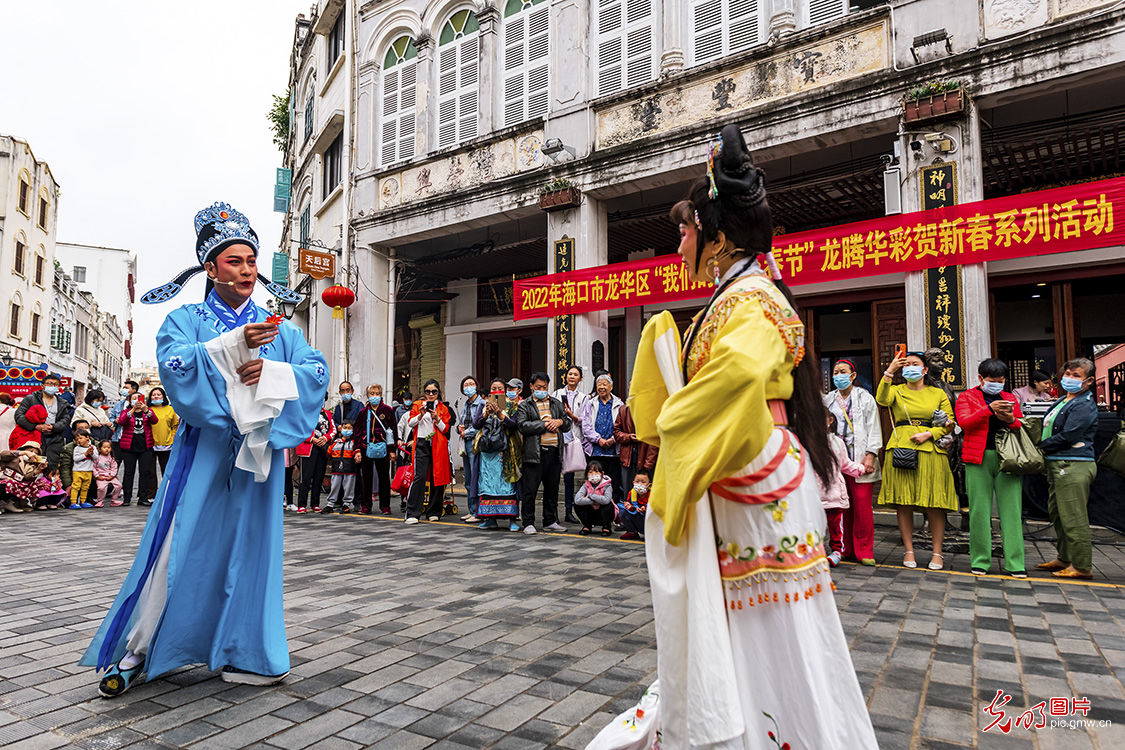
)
(146, 113)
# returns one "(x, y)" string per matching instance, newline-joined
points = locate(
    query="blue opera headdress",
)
(217, 227)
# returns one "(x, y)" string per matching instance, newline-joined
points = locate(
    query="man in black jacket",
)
(59, 413)
(542, 420)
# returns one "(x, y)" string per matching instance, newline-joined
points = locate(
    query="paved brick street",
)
(445, 637)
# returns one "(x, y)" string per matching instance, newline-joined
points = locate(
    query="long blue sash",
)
(172, 492)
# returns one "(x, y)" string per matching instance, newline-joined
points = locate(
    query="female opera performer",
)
(205, 587)
(751, 653)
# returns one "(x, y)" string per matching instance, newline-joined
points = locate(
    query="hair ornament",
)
(775, 272)
(698, 222)
(716, 149)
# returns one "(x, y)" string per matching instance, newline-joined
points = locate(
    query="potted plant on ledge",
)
(933, 100)
(558, 194)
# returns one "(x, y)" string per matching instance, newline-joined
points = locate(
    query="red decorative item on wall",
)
(338, 297)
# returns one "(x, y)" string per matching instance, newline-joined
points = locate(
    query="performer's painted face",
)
(689, 249)
(234, 272)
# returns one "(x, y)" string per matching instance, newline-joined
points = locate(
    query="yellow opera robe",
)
(751, 653)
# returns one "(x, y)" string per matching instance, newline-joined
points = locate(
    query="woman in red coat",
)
(429, 425)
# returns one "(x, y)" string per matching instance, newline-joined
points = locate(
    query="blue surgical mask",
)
(841, 381)
(1070, 385)
(512, 394)
(469, 391)
(992, 388)
(156, 401)
(913, 373)
(374, 400)
(346, 433)
(96, 404)
(125, 391)
(50, 390)
(539, 395)
(345, 397)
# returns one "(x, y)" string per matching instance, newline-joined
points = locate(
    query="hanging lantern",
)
(338, 297)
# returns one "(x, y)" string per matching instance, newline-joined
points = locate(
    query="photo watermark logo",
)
(1056, 713)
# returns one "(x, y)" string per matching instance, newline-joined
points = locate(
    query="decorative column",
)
(588, 226)
(672, 59)
(425, 44)
(489, 50)
(783, 18)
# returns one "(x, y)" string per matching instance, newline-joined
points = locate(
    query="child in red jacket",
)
(343, 460)
(36, 415)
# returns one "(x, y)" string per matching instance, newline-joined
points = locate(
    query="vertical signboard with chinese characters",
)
(564, 324)
(945, 322)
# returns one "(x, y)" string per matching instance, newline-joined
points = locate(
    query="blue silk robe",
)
(223, 604)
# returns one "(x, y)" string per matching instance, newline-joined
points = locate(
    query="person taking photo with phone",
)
(430, 424)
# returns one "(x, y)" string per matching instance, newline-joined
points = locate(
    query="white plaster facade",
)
(109, 274)
(28, 212)
(634, 91)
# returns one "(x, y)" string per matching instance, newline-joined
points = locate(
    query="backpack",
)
(491, 438)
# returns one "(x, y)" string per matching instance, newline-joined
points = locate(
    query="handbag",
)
(491, 437)
(904, 458)
(403, 478)
(377, 449)
(574, 457)
(1113, 457)
(1018, 453)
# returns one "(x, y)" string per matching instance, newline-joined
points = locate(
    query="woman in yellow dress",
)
(917, 477)
(750, 650)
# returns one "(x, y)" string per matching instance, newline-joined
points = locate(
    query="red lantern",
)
(338, 297)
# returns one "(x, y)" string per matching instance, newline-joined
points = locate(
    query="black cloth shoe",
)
(571, 519)
(327, 509)
(144, 503)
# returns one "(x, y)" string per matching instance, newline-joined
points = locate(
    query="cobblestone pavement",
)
(445, 637)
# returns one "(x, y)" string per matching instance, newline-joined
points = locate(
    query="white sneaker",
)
(529, 530)
(434, 518)
(471, 519)
(239, 677)
(292, 508)
(555, 527)
(410, 521)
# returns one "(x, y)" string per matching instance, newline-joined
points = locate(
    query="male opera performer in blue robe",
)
(205, 587)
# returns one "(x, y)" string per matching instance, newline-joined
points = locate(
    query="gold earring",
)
(713, 268)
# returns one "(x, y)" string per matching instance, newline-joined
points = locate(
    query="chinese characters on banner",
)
(945, 323)
(1075, 217)
(564, 324)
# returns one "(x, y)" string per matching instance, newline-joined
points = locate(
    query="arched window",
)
(526, 59)
(624, 44)
(723, 27)
(458, 79)
(15, 307)
(19, 264)
(40, 266)
(400, 100)
(308, 116)
(24, 203)
(44, 208)
(36, 320)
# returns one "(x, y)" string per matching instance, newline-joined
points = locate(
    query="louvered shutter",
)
(822, 11)
(624, 44)
(469, 67)
(458, 79)
(390, 112)
(538, 60)
(407, 103)
(514, 47)
(707, 29)
(742, 23)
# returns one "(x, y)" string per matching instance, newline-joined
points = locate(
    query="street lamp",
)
(287, 308)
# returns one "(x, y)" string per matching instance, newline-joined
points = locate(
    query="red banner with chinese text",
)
(1059, 220)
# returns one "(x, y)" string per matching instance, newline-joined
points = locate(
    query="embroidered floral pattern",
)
(791, 553)
(175, 364)
(321, 373)
(774, 734)
(774, 306)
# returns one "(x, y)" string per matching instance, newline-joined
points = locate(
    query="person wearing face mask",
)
(91, 410)
(983, 412)
(164, 431)
(349, 405)
(430, 424)
(498, 449)
(53, 431)
(597, 430)
(857, 424)
(471, 410)
(631, 511)
(542, 422)
(376, 425)
(122, 404)
(1068, 445)
(574, 402)
(343, 463)
(919, 478)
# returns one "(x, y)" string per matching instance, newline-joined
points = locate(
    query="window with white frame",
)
(526, 60)
(305, 227)
(80, 274)
(458, 79)
(333, 166)
(624, 46)
(24, 203)
(36, 318)
(400, 101)
(723, 27)
(335, 41)
(308, 117)
(823, 11)
(21, 254)
(40, 266)
(14, 318)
